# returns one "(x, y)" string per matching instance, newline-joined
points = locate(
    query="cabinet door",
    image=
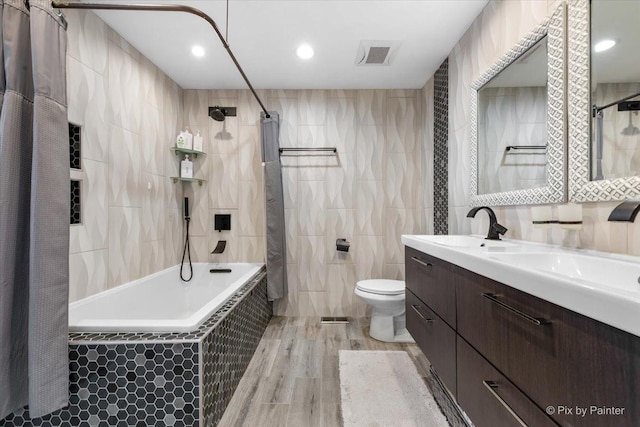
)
(434, 337)
(557, 357)
(431, 280)
(489, 398)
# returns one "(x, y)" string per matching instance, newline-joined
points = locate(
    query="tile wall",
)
(621, 151)
(371, 192)
(511, 116)
(502, 24)
(129, 112)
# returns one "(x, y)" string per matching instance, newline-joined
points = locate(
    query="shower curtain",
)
(34, 210)
(274, 207)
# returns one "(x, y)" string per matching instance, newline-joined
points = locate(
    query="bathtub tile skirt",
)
(141, 379)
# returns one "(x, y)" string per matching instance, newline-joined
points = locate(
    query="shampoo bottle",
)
(198, 142)
(186, 168)
(188, 140)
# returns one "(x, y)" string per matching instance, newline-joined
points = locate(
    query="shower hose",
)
(186, 253)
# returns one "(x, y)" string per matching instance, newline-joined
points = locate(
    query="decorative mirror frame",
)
(581, 188)
(555, 190)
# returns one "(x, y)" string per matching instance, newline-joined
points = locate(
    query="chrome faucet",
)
(495, 229)
(625, 211)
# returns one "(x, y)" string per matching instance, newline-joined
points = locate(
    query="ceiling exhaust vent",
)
(376, 52)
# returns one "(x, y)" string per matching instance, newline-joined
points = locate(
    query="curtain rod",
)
(165, 8)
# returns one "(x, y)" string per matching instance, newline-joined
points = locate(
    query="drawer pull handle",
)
(421, 262)
(491, 385)
(535, 320)
(415, 308)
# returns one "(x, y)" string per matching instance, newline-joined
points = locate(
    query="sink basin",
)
(599, 271)
(466, 241)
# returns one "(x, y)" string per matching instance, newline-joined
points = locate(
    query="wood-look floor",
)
(293, 379)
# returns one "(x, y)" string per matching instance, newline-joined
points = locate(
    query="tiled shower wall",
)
(511, 116)
(129, 112)
(500, 26)
(371, 192)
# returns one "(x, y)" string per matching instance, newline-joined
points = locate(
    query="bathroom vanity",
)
(519, 344)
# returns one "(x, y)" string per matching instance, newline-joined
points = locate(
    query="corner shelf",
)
(175, 179)
(177, 151)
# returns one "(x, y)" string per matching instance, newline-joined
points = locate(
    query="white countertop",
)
(604, 287)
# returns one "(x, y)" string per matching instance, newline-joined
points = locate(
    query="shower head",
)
(630, 129)
(218, 113)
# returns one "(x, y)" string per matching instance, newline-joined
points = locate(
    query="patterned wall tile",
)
(291, 221)
(370, 254)
(124, 168)
(223, 185)
(125, 244)
(459, 155)
(341, 283)
(370, 208)
(371, 107)
(251, 216)
(124, 86)
(196, 108)
(248, 108)
(153, 151)
(250, 154)
(153, 201)
(152, 257)
(252, 248)
(90, 269)
(341, 124)
(312, 263)
(312, 107)
(401, 125)
(398, 222)
(340, 182)
(287, 108)
(87, 39)
(371, 143)
(87, 98)
(311, 213)
(401, 181)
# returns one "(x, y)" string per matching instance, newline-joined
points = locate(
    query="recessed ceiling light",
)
(603, 45)
(197, 51)
(304, 51)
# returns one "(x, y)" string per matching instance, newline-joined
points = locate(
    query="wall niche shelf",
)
(177, 151)
(175, 179)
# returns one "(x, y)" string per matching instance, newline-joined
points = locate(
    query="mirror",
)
(615, 89)
(518, 136)
(604, 86)
(512, 125)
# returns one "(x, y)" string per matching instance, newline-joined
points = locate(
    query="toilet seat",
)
(381, 286)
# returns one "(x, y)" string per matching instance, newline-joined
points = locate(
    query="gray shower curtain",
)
(34, 210)
(274, 207)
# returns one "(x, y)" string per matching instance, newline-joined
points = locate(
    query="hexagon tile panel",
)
(166, 382)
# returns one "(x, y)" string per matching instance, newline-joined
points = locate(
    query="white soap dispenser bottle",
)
(186, 168)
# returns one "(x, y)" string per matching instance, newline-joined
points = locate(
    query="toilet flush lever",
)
(415, 308)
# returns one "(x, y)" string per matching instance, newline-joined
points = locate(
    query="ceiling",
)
(264, 34)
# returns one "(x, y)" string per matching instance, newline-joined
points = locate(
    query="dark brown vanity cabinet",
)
(520, 356)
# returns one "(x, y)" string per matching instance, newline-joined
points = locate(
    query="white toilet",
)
(386, 297)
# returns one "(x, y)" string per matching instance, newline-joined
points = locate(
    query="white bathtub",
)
(161, 302)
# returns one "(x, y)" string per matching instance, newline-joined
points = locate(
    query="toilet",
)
(386, 298)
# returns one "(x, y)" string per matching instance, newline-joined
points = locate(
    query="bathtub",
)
(161, 302)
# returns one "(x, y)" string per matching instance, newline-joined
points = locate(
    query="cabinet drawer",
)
(489, 398)
(556, 357)
(434, 337)
(431, 280)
